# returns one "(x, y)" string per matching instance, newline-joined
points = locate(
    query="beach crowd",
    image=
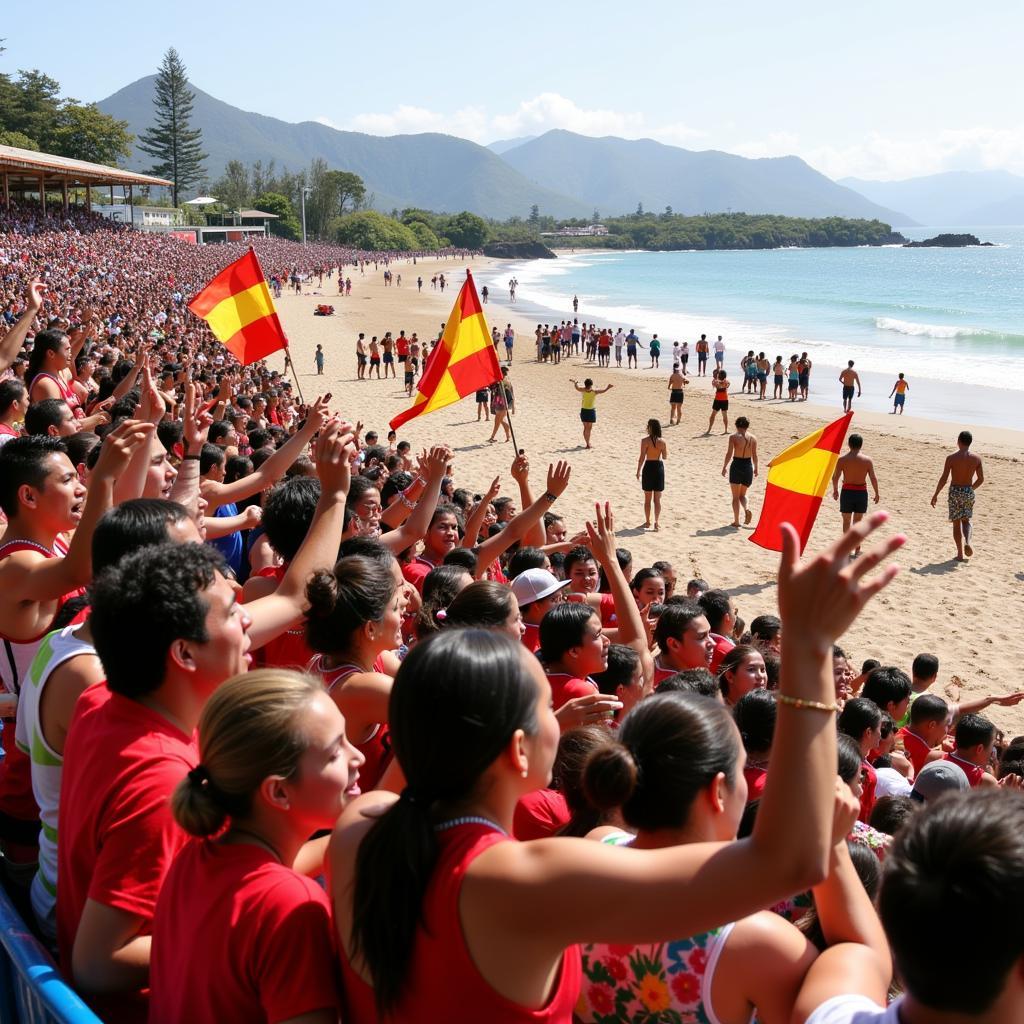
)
(301, 724)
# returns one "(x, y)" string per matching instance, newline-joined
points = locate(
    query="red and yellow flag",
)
(239, 310)
(797, 481)
(462, 362)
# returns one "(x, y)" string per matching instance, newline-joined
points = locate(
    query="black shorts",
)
(360, 359)
(483, 395)
(409, 376)
(741, 471)
(652, 477)
(676, 397)
(720, 405)
(847, 392)
(588, 415)
(388, 358)
(853, 500)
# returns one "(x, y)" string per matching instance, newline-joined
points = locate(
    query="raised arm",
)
(274, 468)
(196, 420)
(558, 480)
(631, 631)
(416, 526)
(131, 483)
(10, 344)
(471, 537)
(655, 895)
(535, 536)
(273, 614)
(50, 578)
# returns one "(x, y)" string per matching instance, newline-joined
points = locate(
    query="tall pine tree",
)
(176, 147)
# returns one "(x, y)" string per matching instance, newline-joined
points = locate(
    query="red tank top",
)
(721, 394)
(289, 650)
(376, 748)
(66, 392)
(443, 983)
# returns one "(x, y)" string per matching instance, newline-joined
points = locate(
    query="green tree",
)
(467, 230)
(17, 139)
(425, 237)
(287, 225)
(347, 189)
(234, 187)
(36, 108)
(376, 232)
(174, 145)
(84, 132)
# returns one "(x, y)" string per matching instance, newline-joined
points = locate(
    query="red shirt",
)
(122, 762)
(531, 638)
(443, 982)
(239, 937)
(607, 611)
(289, 650)
(972, 771)
(915, 748)
(540, 814)
(723, 645)
(756, 778)
(867, 796)
(416, 571)
(402, 345)
(565, 687)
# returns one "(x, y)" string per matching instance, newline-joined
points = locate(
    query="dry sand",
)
(968, 614)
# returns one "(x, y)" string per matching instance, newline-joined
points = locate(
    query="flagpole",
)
(288, 364)
(508, 414)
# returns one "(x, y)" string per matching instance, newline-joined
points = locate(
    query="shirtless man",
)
(361, 358)
(676, 383)
(388, 345)
(374, 356)
(855, 469)
(849, 379)
(967, 476)
(805, 376)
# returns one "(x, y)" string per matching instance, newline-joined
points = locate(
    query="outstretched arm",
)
(12, 341)
(417, 524)
(471, 537)
(535, 536)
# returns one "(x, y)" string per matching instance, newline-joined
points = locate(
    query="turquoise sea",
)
(952, 320)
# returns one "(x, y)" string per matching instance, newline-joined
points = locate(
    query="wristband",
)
(550, 496)
(187, 457)
(810, 705)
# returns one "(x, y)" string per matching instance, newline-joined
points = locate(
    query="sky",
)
(879, 90)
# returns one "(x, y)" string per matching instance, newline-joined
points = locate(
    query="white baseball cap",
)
(535, 584)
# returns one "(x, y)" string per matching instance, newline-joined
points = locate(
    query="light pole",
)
(306, 190)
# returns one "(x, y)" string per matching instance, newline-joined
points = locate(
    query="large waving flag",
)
(461, 363)
(239, 310)
(797, 481)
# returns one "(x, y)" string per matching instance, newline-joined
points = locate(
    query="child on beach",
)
(676, 383)
(778, 371)
(899, 390)
(319, 357)
(720, 404)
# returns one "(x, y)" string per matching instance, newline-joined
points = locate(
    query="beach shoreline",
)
(935, 605)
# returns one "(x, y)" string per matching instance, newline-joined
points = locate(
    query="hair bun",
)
(322, 592)
(610, 776)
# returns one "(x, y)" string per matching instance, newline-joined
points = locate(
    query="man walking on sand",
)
(965, 475)
(849, 379)
(854, 469)
(899, 389)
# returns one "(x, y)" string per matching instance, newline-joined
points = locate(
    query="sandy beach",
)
(966, 613)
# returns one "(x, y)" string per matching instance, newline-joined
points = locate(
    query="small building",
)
(585, 232)
(146, 218)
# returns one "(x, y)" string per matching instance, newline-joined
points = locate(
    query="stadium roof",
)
(26, 167)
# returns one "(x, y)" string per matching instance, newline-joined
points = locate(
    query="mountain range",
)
(954, 198)
(563, 174)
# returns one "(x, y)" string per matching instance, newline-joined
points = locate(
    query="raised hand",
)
(35, 294)
(333, 454)
(197, 420)
(845, 812)
(821, 596)
(520, 469)
(120, 445)
(592, 709)
(558, 477)
(318, 413)
(601, 535)
(493, 490)
(436, 462)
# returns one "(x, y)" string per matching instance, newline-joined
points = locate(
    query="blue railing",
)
(32, 990)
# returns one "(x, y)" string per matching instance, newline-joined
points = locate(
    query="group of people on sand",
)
(300, 726)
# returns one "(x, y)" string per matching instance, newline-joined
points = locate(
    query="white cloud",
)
(876, 156)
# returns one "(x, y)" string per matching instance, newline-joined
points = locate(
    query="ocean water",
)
(952, 320)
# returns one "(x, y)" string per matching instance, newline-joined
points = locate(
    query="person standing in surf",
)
(899, 389)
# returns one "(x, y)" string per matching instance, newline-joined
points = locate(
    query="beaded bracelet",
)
(799, 703)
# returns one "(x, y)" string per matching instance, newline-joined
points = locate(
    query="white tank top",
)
(47, 765)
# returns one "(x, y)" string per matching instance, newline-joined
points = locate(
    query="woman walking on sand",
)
(650, 470)
(588, 414)
(503, 401)
(676, 395)
(742, 451)
(721, 401)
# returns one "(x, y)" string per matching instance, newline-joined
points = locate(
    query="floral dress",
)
(656, 983)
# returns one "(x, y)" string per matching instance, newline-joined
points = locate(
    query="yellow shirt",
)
(589, 398)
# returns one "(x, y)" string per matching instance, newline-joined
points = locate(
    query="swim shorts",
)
(853, 499)
(588, 415)
(720, 405)
(900, 399)
(388, 358)
(676, 397)
(847, 392)
(741, 471)
(961, 502)
(360, 359)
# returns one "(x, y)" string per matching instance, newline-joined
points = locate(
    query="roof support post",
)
(42, 191)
